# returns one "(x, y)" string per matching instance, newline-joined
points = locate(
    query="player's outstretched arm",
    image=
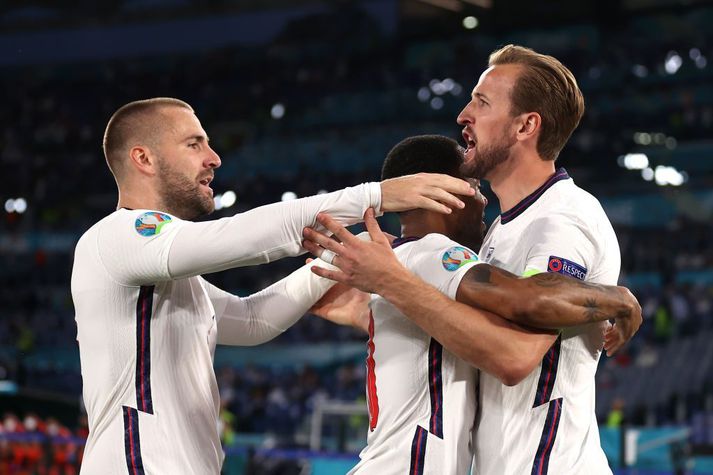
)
(260, 317)
(500, 347)
(549, 300)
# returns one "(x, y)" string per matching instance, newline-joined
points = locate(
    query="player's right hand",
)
(370, 266)
(431, 191)
(626, 323)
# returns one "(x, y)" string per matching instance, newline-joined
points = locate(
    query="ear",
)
(528, 125)
(143, 160)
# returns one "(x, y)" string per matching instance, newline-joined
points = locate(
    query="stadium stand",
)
(306, 112)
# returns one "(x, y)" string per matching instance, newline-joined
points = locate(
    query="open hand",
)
(366, 265)
(431, 191)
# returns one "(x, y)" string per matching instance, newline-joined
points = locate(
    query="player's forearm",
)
(478, 337)
(545, 300)
(264, 315)
(263, 234)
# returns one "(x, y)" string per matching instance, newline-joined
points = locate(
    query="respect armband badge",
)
(561, 265)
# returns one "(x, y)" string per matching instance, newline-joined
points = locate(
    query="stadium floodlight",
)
(437, 87)
(634, 161)
(470, 22)
(642, 138)
(647, 174)
(289, 196)
(228, 199)
(278, 111)
(424, 94)
(701, 62)
(673, 62)
(670, 143)
(664, 175)
(10, 205)
(218, 202)
(437, 103)
(20, 205)
(694, 53)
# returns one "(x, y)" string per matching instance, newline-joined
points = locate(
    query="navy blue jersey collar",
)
(403, 240)
(518, 209)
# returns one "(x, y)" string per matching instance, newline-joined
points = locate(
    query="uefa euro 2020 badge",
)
(456, 257)
(151, 222)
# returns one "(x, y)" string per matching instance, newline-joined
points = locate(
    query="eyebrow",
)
(480, 95)
(197, 138)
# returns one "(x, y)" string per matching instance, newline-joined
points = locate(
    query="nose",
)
(464, 118)
(213, 159)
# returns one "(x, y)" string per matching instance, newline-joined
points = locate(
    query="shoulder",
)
(440, 252)
(140, 224)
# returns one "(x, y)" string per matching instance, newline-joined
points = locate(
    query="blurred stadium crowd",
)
(317, 109)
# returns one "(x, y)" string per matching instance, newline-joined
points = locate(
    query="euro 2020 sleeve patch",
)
(151, 222)
(456, 257)
(561, 265)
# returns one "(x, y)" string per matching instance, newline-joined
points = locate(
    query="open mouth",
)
(206, 182)
(470, 141)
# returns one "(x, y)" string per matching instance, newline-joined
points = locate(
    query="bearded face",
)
(187, 197)
(482, 159)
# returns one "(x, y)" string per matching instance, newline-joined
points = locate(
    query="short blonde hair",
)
(547, 87)
(135, 121)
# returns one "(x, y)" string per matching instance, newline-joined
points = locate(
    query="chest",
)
(185, 312)
(507, 246)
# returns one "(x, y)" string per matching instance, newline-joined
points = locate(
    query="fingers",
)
(335, 275)
(320, 251)
(429, 191)
(373, 227)
(450, 184)
(336, 228)
(442, 196)
(322, 242)
(613, 340)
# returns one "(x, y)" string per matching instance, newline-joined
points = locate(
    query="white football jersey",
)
(147, 324)
(421, 398)
(547, 424)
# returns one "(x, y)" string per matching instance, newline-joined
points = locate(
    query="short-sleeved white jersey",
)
(147, 324)
(547, 424)
(421, 397)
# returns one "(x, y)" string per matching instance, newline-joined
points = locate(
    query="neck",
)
(519, 177)
(147, 198)
(418, 223)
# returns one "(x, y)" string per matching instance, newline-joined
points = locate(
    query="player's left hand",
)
(344, 305)
(626, 324)
(431, 191)
(369, 266)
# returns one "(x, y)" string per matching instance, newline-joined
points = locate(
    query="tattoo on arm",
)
(592, 313)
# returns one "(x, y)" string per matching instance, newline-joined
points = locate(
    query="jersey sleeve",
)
(142, 247)
(262, 316)
(561, 244)
(134, 245)
(441, 262)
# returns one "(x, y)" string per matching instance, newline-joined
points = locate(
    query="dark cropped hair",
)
(423, 153)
